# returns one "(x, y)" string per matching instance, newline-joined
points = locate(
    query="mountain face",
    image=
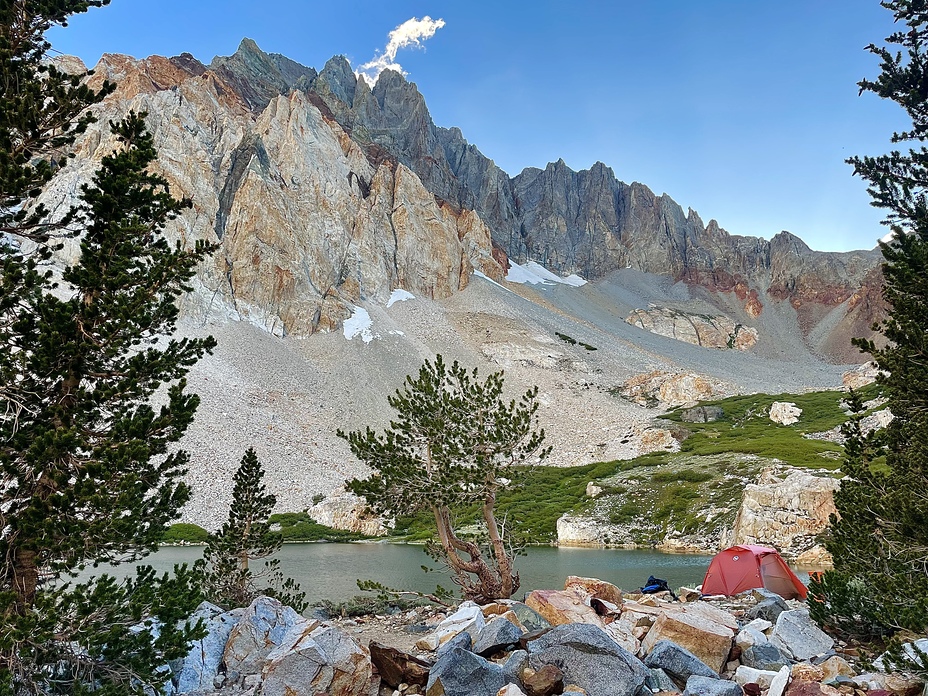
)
(322, 191)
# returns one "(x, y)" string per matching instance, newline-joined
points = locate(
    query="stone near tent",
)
(765, 656)
(263, 626)
(806, 671)
(710, 612)
(459, 672)
(707, 640)
(589, 659)
(767, 609)
(596, 588)
(801, 636)
(322, 660)
(497, 635)
(563, 606)
(779, 682)
(748, 637)
(910, 650)
(812, 688)
(201, 665)
(749, 675)
(707, 686)
(678, 662)
(835, 666)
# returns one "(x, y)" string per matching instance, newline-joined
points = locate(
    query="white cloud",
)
(412, 32)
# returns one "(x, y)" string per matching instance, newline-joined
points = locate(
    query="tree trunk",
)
(25, 577)
(509, 582)
(487, 586)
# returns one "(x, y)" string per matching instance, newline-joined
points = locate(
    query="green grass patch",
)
(184, 533)
(747, 429)
(688, 475)
(299, 526)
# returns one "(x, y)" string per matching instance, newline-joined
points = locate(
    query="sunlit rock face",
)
(307, 220)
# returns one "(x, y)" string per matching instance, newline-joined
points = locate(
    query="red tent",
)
(742, 568)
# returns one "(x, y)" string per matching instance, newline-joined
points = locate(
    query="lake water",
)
(330, 571)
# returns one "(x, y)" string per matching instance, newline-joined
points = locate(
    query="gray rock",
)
(747, 675)
(461, 640)
(261, 629)
(765, 656)
(678, 662)
(460, 672)
(528, 617)
(779, 682)
(659, 680)
(495, 636)
(512, 668)
(702, 414)
(201, 665)
(801, 636)
(325, 660)
(768, 609)
(590, 659)
(706, 686)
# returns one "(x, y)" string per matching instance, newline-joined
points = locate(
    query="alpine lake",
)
(329, 571)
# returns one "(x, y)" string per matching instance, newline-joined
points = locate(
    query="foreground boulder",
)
(559, 607)
(323, 660)
(262, 628)
(201, 665)
(590, 659)
(397, 667)
(707, 686)
(459, 672)
(801, 636)
(709, 641)
(678, 662)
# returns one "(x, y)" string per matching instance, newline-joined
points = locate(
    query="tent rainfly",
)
(741, 568)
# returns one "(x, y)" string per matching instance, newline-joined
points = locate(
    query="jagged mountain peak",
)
(258, 76)
(339, 78)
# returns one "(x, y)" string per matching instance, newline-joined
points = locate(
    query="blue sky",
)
(744, 111)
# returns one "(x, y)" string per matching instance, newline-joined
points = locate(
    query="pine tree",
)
(454, 443)
(246, 536)
(879, 540)
(89, 471)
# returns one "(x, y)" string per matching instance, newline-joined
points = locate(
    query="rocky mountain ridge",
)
(327, 166)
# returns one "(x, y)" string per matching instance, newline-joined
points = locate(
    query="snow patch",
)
(399, 296)
(359, 324)
(534, 273)
(487, 278)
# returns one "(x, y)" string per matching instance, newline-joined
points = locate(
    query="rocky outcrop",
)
(669, 390)
(787, 513)
(861, 376)
(308, 221)
(698, 329)
(343, 510)
(784, 412)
